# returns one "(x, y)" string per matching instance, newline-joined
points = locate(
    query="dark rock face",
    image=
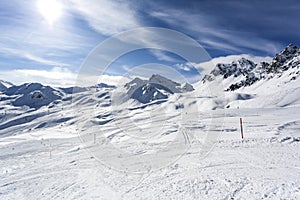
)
(241, 67)
(280, 61)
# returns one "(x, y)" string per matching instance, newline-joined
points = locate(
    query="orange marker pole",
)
(241, 123)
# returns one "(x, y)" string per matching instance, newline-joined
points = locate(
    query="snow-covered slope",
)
(80, 143)
(265, 84)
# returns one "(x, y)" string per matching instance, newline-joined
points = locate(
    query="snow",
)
(33, 95)
(4, 85)
(97, 144)
(157, 87)
(264, 165)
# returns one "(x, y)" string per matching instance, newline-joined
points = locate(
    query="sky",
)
(49, 41)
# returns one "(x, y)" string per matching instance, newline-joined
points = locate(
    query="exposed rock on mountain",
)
(157, 87)
(246, 72)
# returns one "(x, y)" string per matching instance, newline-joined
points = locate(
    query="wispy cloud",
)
(31, 57)
(145, 71)
(26, 40)
(184, 66)
(57, 77)
(212, 34)
(105, 16)
(162, 56)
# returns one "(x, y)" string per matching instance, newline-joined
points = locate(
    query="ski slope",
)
(45, 158)
(95, 143)
(53, 163)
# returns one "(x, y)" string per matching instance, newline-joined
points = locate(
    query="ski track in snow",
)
(263, 165)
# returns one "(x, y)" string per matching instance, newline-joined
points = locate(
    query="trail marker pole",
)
(241, 123)
(50, 153)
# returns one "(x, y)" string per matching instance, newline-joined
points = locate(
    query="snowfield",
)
(95, 143)
(54, 164)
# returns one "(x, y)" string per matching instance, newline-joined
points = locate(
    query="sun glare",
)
(51, 10)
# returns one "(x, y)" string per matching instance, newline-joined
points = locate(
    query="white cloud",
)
(113, 80)
(105, 16)
(126, 68)
(184, 66)
(145, 71)
(25, 38)
(42, 60)
(31, 57)
(162, 56)
(57, 77)
(158, 14)
(229, 59)
(162, 40)
(206, 42)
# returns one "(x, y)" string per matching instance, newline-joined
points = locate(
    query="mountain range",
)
(246, 72)
(236, 75)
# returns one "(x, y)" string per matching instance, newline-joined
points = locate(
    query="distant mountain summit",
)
(282, 70)
(287, 58)
(236, 68)
(4, 85)
(157, 87)
(33, 95)
(245, 72)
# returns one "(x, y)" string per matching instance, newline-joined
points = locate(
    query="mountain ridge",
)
(155, 88)
(251, 72)
(238, 74)
(4, 85)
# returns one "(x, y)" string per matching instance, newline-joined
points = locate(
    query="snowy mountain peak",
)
(171, 85)
(290, 49)
(187, 87)
(280, 60)
(157, 87)
(236, 68)
(245, 63)
(104, 85)
(245, 72)
(25, 88)
(135, 82)
(33, 95)
(4, 85)
(156, 78)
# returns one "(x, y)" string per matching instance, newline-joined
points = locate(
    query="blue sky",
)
(36, 47)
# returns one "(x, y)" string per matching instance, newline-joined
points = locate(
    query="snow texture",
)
(43, 157)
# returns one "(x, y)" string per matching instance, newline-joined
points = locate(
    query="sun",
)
(51, 10)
